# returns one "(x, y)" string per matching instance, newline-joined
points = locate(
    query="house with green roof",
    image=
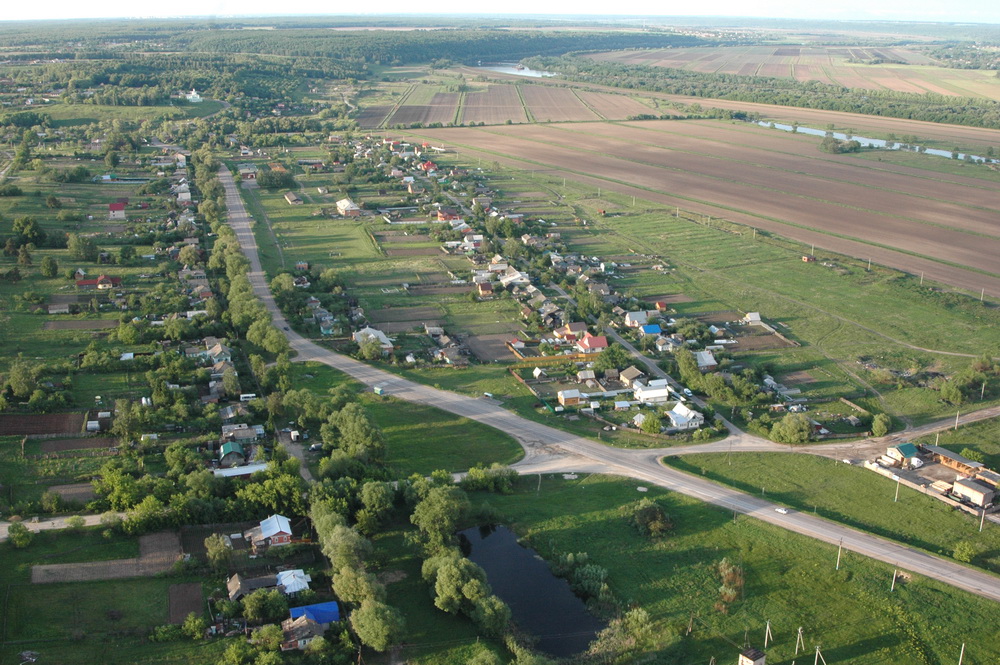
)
(231, 454)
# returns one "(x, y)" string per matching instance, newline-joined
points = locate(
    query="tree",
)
(111, 159)
(23, 257)
(265, 605)
(189, 255)
(438, 513)
(613, 357)
(269, 637)
(881, 424)
(52, 201)
(793, 428)
(21, 377)
(371, 350)
(195, 626)
(19, 535)
(377, 625)
(952, 393)
(651, 424)
(974, 455)
(80, 248)
(354, 585)
(218, 551)
(231, 381)
(49, 267)
(965, 551)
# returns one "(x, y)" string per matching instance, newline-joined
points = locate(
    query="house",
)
(586, 375)
(193, 97)
(638, 420)
(302, 265)
(706, 361)
(631, 375)
(668, 344)
(485, 289)
(652, 394)
(750, 656)
(292, 198)
(451, 356)
(650, 329)
(220, 353)
(291, 582)
(298, 633)
(248, 171)
(220, 368)
(752, 319)
(975, 491)
(569, 397)
(368, 333)
(239, 471)
(683, 417)
(116, 211)
(322, 613)
(447, 214)
(239, 586)
(234, 412)
(102, 283)
(905, 453)
(570, 331)
(231, 454)
(636, 319)
(592, 343)
(274, 531)
(348, 208)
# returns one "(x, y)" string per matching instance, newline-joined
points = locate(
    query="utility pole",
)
(982, 393)
(893, 587)
(869, 264)
(839, 551)
(897, 490)
(982, 294)
(799, 642)
(962, 654)
(690, 625)
(819, 657)
(767, 634)
(921, 279)
(982, 519)
(956, 419)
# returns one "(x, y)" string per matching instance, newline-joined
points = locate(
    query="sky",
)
(977, 11)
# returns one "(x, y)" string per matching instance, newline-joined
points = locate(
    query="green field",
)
(791, 581)
(849, 495)
(69, 115)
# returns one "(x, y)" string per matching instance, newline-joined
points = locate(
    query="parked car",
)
(783, 511)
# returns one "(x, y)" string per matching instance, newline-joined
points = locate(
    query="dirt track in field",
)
(913, 223)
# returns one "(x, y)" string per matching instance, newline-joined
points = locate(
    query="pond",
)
(541, 603)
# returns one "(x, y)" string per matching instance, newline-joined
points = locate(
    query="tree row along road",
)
(549, 450)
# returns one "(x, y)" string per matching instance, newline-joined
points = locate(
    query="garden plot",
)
(490, 348)
(77, 492)
(79, 325)
(183, 599)
(157, 554)
(395, 314)
(87, 443)
(51, 423)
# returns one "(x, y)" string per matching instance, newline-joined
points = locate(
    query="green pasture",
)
(69, 115)
(849, 495)
(790, 580)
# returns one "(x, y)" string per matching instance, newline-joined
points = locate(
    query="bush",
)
(19, 535)
(650, 520)
(965, 551)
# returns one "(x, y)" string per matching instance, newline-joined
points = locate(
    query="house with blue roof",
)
(322, 613)
(651, 329)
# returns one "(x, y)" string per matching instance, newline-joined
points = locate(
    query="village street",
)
(549, 450)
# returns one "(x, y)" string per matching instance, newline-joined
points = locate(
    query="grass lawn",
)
(421, 439)
(790, 580)
(850, 495)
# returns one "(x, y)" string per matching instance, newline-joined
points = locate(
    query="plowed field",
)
(947, 227)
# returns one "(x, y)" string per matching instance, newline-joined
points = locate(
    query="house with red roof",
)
(116, 210)
(102, 283)
(592, 343)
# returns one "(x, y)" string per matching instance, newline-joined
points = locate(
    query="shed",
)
(651, 329)
(569, 397)
(954, 460)
(976, 491)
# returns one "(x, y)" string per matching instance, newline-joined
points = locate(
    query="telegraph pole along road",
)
(549, 450)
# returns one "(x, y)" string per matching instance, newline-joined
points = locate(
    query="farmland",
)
(900, 217)
(871, 68)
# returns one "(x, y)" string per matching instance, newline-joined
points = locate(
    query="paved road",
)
(550, 450)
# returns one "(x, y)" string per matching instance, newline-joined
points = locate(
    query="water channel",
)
(512, 68)
(872, 143)
(541, 603)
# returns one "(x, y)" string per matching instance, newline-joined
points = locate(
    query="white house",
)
(682, 417)
(652, 394)
(293, 581)
(706, 361)
(368, 333)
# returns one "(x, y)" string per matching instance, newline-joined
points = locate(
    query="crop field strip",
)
(828, 65)
(920, 247)
(944, 135)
